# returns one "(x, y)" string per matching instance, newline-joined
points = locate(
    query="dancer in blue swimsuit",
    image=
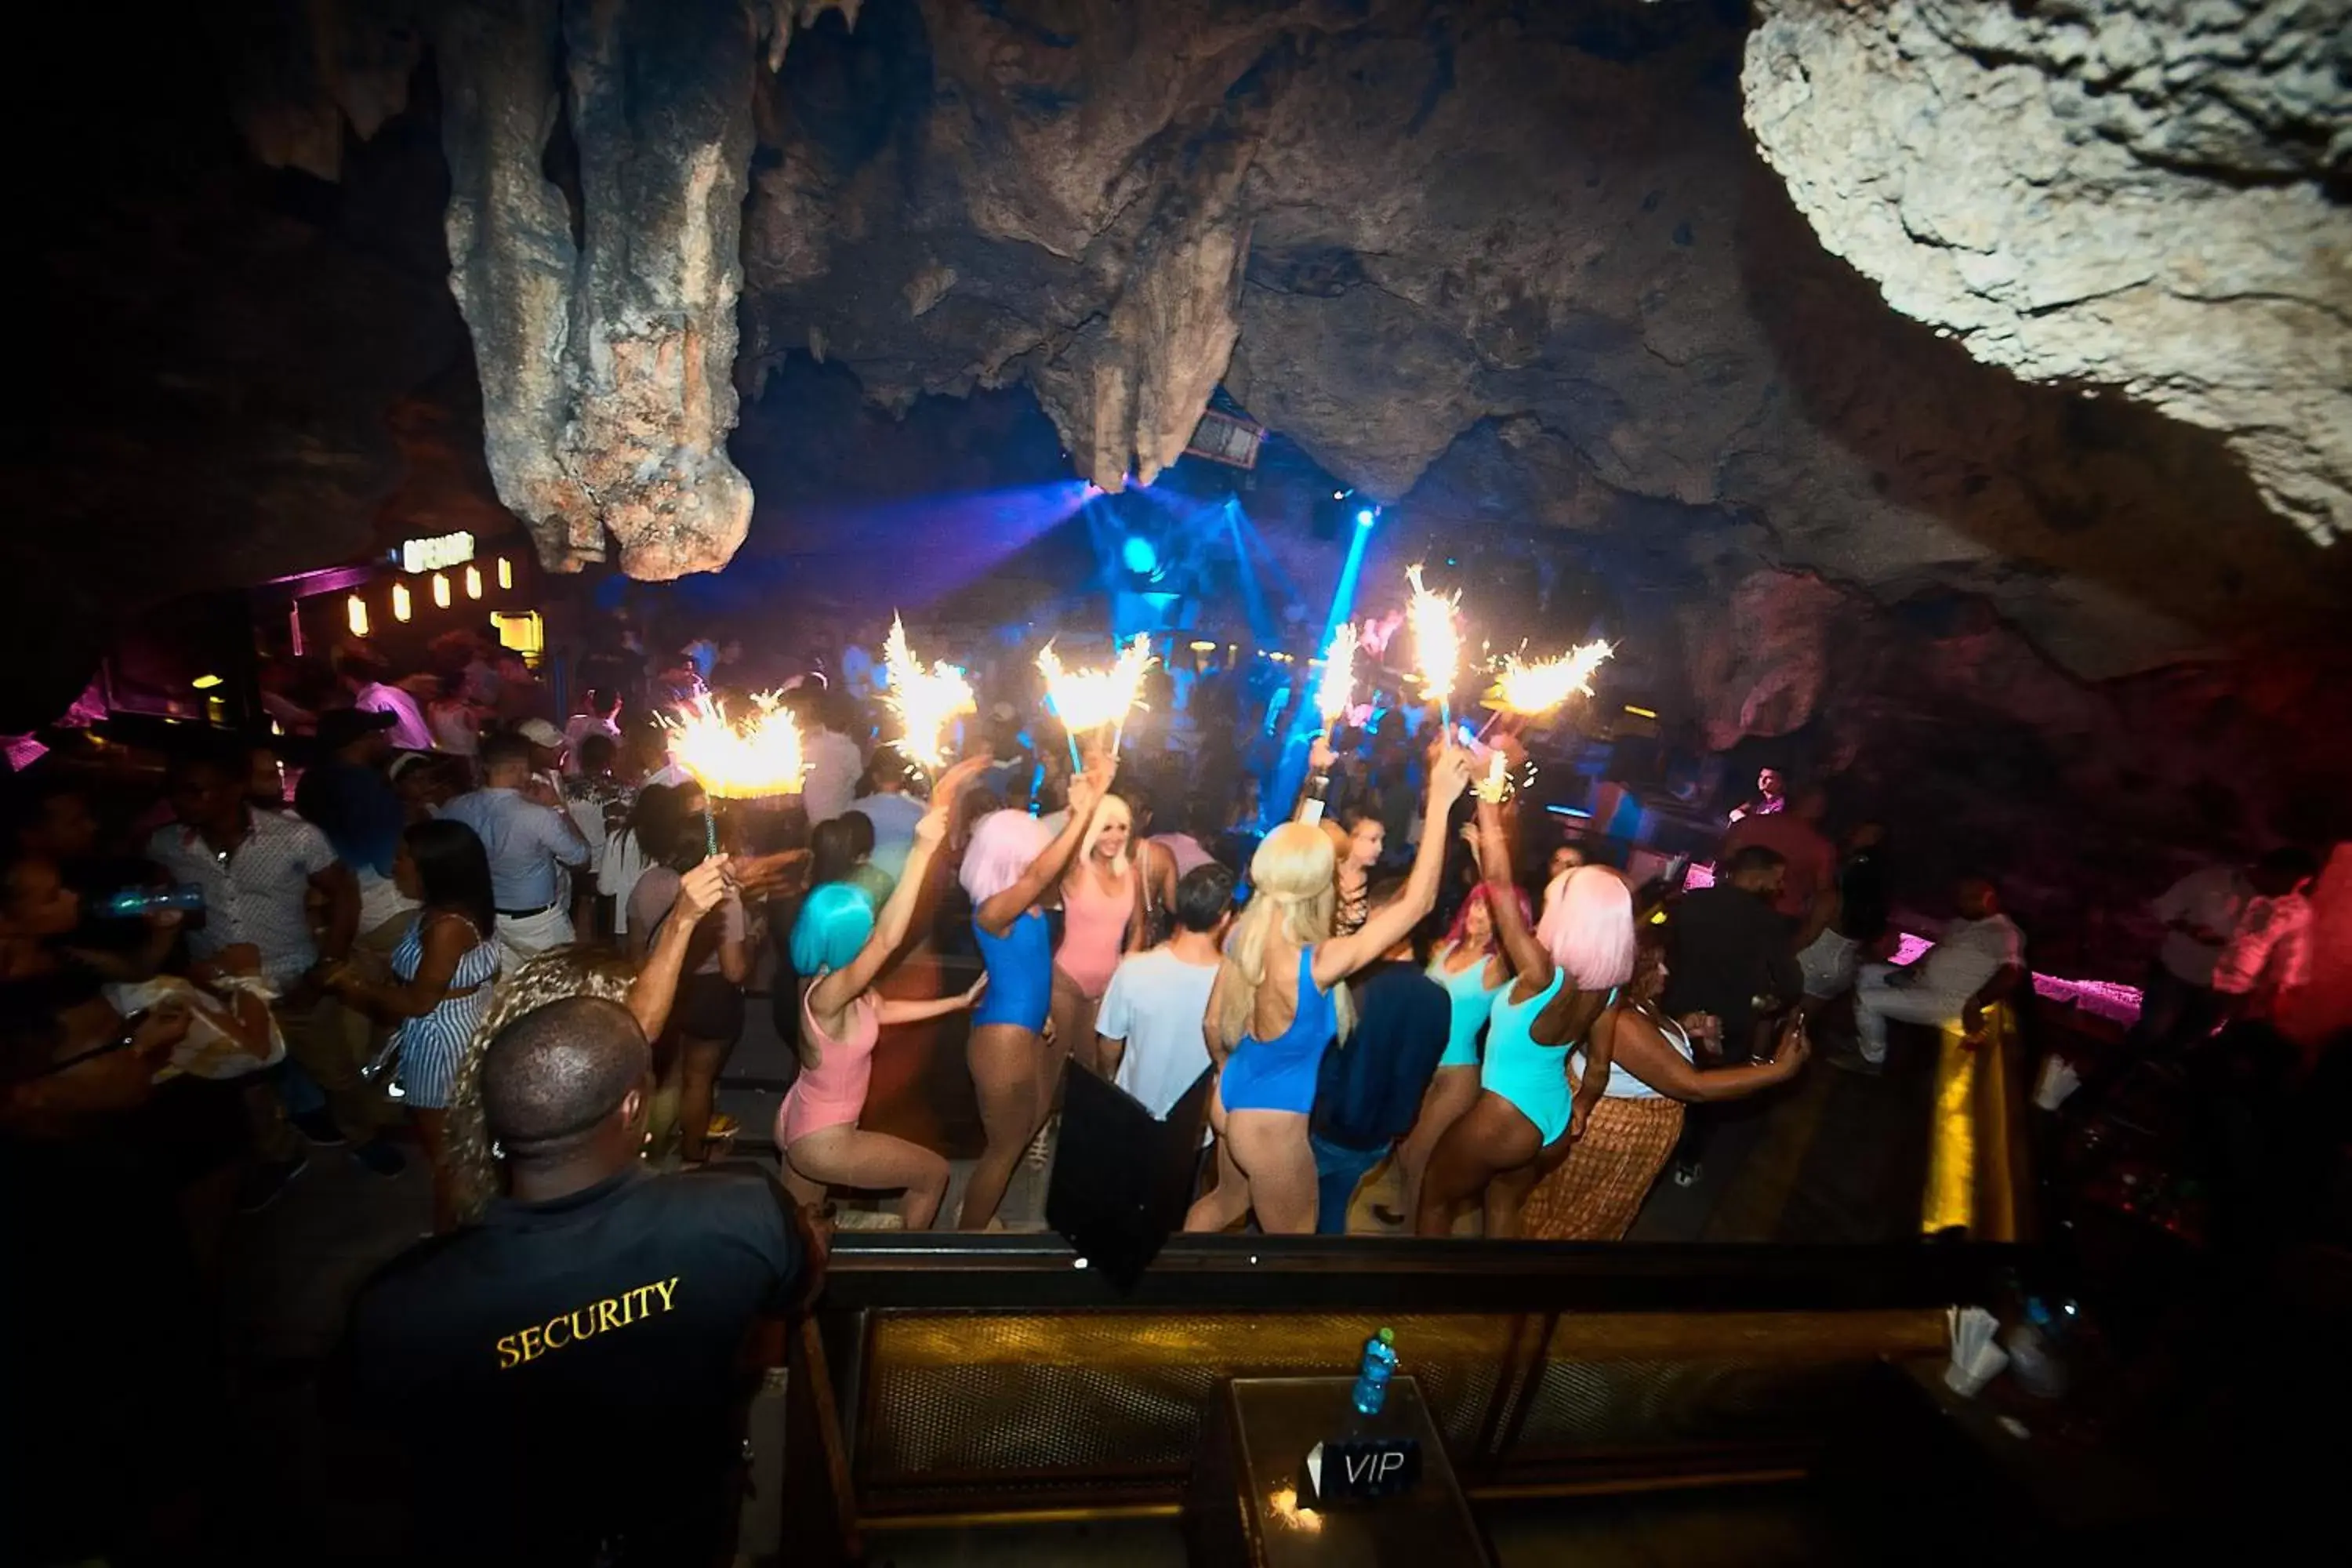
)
(1013, 861)
(1276, 1006)
(1525, 1117)
(1470, 964)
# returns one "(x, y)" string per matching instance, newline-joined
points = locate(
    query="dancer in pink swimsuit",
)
(1098, 920)
(841, 942)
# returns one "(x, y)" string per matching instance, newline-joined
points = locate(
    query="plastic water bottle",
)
(1380, 1365)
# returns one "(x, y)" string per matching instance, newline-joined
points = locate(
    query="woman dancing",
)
(1521, 1125)
(1276, 1006)
(1010, 864)
(709, 1016)
(840, 945)
(1645, 1059)
(1101, 893)
(443, 967)
(1471, 965)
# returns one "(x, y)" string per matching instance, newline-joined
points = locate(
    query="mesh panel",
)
(1031, 1397)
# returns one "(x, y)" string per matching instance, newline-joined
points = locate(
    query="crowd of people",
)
(523, 947)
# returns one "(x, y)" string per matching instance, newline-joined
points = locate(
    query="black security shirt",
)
(566, 1376)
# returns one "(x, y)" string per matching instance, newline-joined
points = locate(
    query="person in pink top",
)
(843, 945)
(1101, 895)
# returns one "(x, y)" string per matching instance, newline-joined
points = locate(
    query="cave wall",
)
(2143, 194)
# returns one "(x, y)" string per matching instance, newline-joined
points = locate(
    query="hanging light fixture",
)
(355, 612)
(473, 581)
(400, 602)
(441, 589)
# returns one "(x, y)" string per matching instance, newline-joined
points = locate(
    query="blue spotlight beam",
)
(1291, 772)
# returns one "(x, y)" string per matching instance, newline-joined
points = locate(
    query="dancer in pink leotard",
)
(843, 945)
(1099, 924)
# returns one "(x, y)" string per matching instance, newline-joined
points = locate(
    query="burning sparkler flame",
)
(746, 759)
(1337, 692)
(1088, 700)
(926, 699)
(1530, 689)
(1437, 640)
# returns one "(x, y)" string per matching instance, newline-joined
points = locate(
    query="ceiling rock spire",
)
(605, 337)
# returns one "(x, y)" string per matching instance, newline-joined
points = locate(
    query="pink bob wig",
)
(1478, 898)
(1588, 927)
(1004, 846)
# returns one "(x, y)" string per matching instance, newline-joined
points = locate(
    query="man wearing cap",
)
(531, 841)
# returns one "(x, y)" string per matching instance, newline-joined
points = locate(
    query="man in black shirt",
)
(1730, 947)
(568, 1375)
(1370, 1087)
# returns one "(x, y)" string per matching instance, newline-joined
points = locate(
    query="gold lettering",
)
(577, 1332)
(531, 1350)
(553, 1343)
(608, 1315)
(507, 1354)
(609, 1312)
(667, 1290)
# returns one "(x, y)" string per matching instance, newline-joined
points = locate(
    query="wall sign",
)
(437, 553)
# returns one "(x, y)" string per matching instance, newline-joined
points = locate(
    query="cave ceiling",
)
(1608, 268)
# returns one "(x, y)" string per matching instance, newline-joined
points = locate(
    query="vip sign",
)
(436, 554)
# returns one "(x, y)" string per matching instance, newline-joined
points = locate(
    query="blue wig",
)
(835, 922)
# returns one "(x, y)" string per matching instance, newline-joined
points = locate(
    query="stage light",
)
(1641, 713)
(1364, 518)
(206, 682)
(473, 581)
(1339, 495)
(441, 589)
(1139, 556)
(400, 603)
(356, 616)
(506, 572)
(1204, 648)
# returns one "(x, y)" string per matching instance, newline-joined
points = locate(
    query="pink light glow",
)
(1909, 950)
(1700, 875)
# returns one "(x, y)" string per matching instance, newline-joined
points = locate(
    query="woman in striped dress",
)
(443, 971)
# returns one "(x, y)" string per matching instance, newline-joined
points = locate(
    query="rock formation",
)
(2143, 194)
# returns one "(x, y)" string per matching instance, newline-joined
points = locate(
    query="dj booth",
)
(971, 1382)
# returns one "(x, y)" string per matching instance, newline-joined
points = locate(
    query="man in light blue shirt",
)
(531, 841)
(891, 809)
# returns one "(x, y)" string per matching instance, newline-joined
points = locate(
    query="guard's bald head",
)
(551, 1077)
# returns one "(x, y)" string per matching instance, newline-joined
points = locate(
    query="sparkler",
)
(1436, 642)
(746, 760)
(1337, 692)
(926, 699)
(1530, 689)
(1090, 698)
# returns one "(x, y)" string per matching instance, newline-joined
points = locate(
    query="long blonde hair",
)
(1104, 810)
(1290, 892)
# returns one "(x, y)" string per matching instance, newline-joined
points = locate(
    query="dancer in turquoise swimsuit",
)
(1470, 963)
(1276, 1008)
(1526, 1116)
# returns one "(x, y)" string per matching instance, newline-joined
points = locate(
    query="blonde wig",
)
(1290, 892)
(1108, 810)
(1588, 927)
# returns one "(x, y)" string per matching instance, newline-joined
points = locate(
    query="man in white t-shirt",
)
(2199, 912)
(1977, 962)
(1152, 1038)
(832, 761)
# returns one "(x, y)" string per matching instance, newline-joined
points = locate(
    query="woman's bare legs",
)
(433, 1132)
(1490, 1138)
(698, 1063)
(1006, 1062)
(1271, 1148)
(1222, 1205)
(844, 1157)
(807, 1194)
(1451, 1093)
(1507, 1195)
(1073, 1025)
